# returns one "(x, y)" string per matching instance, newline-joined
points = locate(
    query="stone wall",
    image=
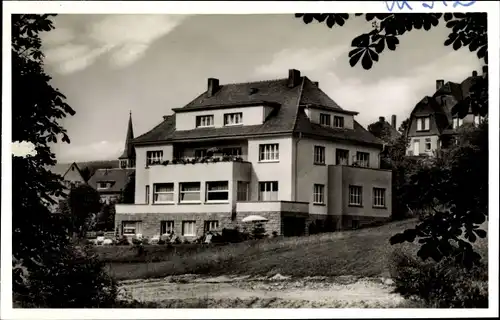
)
(273, 223)
(361, 221)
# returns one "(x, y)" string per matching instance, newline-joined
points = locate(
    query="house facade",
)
(111, 182)
(432, 125)
(72, 177)
(281, 149)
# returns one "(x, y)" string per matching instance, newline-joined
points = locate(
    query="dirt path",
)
(275, 292)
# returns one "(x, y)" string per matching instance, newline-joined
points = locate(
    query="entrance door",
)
(294, 226)
(416, 147)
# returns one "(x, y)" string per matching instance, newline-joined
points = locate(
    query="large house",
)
(281, 149)
(432, 125)
(111, 182)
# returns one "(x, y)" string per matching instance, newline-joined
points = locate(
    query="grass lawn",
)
(362, 252)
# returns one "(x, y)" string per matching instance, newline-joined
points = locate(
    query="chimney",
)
(213, 86)
(316, 83)
(393, 121)
(381, 119)
(293, 78)
(485, 70)
(439, 84)
(474, 73)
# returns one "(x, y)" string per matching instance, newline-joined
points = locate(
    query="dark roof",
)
(287, 116)
(441, 110)
(120, 177)
(129, 150)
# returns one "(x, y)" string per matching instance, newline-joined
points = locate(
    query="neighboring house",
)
(384, 130)
(432, 125)
(281, 149)
(110, 182)
(72, 177)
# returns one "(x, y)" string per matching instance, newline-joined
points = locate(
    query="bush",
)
(444, 284)
(122, 241)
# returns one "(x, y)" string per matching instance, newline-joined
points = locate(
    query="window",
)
(200, 153)
(102, 185)
(123, 164)
(423, 124)
(104, 199)
(338, 122)
(204, 121)
(319, 194)
(319, 155)
(231, 119)
(457, 122)
(342, 157)
(166, 227)
(269, 152)
(163, 193)
(355, 195)
(416, 147)
(378, 197)
(189, 228)
(325, 119)
(147, 195)
(363, 159)
(154, 157)
(235, 151)
(268, 191)
(211, 225)
(428, 144)
(242, 191)
(355, 224)
(131, 227)
(217, 191)
(189, 192)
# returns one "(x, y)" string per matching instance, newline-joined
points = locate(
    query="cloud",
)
(125, 38)
(102, 150)
(305, 59)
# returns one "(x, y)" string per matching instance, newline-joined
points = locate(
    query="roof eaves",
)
(226, 106)
(352, 113)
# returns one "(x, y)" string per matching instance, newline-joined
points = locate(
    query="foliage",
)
(86, 174)
(128, 194)
(106, 217)
(440, 285)
(258, 231)
(47, 269)
(454, 188)
(84, 202)
(466, 30)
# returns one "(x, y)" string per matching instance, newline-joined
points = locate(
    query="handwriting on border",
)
(426, 4)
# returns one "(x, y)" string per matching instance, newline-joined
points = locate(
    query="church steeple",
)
(127, 159)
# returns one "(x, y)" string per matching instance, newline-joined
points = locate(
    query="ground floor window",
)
(211, 225)
(355, 195)
(319, 194)
(378, 197)
(268, 191)
(166, 227)
(242, 193)
(131, 227)
(355, 224)
(189, 228)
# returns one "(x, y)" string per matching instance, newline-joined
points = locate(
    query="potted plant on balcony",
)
(215, 152)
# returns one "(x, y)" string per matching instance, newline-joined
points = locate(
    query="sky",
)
(110, 65)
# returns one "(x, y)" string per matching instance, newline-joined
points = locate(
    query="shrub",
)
(136, 241)
(122, 241)
(258, 231)
(444, 284)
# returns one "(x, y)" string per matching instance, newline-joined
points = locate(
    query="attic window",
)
(103, 185)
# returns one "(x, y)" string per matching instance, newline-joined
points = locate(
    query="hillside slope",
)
(364, 252)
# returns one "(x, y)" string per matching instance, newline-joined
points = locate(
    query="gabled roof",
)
(63, 168)
(120, 177)
(286, 117)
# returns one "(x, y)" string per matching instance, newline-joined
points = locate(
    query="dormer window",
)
(338, 122)
(231, 119)
(103, 185)
(423, 123)
(457, 122)
(325, 119)
(204, 121)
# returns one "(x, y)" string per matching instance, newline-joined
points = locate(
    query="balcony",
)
(202, 169)
(272, 206)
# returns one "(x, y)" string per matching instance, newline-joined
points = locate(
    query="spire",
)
(129, 151)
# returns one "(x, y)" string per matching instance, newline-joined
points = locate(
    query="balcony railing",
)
(194, 160)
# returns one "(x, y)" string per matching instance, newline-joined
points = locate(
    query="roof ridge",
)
(298, 104)
(248, 82)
